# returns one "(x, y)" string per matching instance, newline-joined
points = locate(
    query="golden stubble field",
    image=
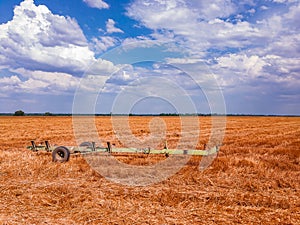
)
(254, 180)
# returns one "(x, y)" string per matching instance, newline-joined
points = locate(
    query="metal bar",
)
(47, 146)
(109, 149)
(167, 151)
(33, 145)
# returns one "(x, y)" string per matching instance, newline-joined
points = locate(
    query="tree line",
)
(22, 113)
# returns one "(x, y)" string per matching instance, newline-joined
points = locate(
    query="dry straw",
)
(254, 180)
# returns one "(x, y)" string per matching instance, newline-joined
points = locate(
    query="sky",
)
(150, 56)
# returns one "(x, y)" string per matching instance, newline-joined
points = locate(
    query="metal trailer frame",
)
(62, 153)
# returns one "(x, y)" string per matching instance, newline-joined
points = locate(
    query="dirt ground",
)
(255, 179)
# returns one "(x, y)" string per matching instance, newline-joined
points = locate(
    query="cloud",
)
(183, 60)
(198, 25)
(251, 47)
(283, 69)
(99, 4)
(44, 53)
(217, 24)
(208, 10)
(13, 80)
(241, 64)
(162, 14)
(37, 39)
(38, 82)
(101, 44)
(9, 84)
(284, 1)
(56, 83)
(263, 7)
(260, 82)
(208, 30)
(102, 67)
(292, 17)
(110, 27)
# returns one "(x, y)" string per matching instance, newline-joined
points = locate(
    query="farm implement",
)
(62, 153)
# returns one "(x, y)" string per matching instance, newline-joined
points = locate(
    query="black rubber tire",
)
(86, 144)
(60, 154)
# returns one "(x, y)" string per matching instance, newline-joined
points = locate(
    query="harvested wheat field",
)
(254, 180)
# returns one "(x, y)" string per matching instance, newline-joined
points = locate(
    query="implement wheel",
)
(60, 154)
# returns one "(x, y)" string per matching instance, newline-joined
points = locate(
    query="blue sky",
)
(163, 55)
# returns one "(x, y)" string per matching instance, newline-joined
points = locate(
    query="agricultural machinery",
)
(62, 153)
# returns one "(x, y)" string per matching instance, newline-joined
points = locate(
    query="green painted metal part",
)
(88, 149)
(167, 151)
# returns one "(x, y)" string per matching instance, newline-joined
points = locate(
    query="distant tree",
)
(19, 113)
(48, 114)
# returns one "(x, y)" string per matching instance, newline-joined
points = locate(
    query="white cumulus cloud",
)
(46, 53)
(99, 4)
(101, 44)
(110, 27)
(209, 28)
(37, 39)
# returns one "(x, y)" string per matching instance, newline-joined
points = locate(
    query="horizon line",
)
(149, 114)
